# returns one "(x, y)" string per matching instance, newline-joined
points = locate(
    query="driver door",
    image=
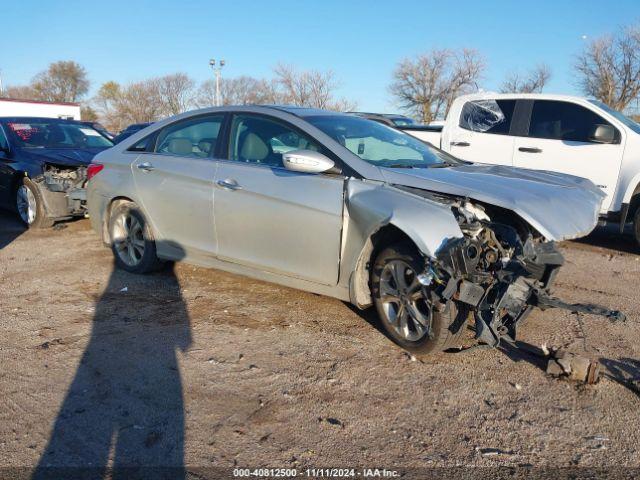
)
(271, 218)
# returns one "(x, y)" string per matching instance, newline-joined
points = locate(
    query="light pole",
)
(217, 70)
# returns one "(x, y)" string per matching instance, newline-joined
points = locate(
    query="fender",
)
(370, 206)
(632, 190)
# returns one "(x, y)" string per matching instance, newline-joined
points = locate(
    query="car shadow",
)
(123, 413)
(609, 237)
(10, 228)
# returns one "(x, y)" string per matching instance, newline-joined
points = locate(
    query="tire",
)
(30, 206)
(403, 261)
(636, 225)
(132, 242)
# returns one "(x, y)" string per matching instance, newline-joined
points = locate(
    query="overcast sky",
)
(361, 41)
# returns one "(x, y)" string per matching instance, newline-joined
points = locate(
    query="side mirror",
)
(306, 161)
(4, 152)
(603, 134)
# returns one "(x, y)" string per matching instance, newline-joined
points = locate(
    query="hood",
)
(70, 157)
(558, 206)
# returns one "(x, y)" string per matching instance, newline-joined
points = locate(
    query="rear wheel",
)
(404, 307)
(30, 205)
(132, 242)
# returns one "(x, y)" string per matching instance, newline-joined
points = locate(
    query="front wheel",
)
(404, 307)
(132, 242)
(30, 205)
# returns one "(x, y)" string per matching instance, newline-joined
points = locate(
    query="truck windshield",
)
(619, 116)
(43, 134)
(379, 144)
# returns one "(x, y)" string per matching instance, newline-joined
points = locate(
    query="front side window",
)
(194, 137)
(260, 140)
(488, 116)
(563, 121)
(45, 134)
(379, 144)
(635, 126)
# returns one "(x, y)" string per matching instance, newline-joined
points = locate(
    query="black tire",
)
(636, 225)
(144, 262)
(40, 220)
(446, 326)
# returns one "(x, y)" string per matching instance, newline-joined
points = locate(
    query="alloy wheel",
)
(128, 239)
(404, 305)
(26, 204)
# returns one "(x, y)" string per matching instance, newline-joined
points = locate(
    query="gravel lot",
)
(100, 366)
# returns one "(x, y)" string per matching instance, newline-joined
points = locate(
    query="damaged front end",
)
(501, 269)
(63, 190)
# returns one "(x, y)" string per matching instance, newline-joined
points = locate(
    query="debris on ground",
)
(490, 452)
(575, 367)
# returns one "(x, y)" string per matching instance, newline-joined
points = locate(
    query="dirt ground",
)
(100, 367)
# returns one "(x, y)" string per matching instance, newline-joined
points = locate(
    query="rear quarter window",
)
(487, 116)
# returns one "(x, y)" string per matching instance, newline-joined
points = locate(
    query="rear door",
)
(558, 140)
(482, 133)
(273, 219)
(175, 183)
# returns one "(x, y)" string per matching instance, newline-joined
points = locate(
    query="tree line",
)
(608, 69)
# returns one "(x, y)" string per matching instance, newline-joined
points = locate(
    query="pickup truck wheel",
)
(405, 313)
(132, 242)
(636, 225)
(30, 205)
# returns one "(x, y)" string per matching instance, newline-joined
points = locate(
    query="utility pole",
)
(1, 88)
(217, 71)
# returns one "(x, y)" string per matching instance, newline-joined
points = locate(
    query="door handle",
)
(530, 149)
(460, 144)
(146, 166)
(229, 184)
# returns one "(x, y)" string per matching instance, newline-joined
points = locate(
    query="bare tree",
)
(609, 68)
(428, 84)
(22, 92)
(533, 82)
(242, 90)
(311, 88)
(64, 81)
(175, 92)
(119, 106)
(88, 114)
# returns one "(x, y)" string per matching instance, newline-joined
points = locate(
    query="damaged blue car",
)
(43, 167)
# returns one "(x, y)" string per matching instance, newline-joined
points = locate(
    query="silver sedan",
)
(342, 206)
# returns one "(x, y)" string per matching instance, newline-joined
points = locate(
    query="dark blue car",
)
(43, 167)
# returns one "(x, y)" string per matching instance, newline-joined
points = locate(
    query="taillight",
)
(93, 169)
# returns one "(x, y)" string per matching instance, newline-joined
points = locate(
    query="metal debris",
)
(575, 367)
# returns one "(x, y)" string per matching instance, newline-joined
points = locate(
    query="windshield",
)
(379, 144)
(43, 134)
(619, 116)
(402, 121)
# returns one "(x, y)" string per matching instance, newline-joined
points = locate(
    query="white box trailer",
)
(10, 107)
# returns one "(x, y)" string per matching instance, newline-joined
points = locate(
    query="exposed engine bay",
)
(500, 270)
(63, 190)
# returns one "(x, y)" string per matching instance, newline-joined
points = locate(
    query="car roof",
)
(522, 96)
(40, 119)
(301, 111)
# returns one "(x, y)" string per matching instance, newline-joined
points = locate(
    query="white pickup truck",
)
(557, 133)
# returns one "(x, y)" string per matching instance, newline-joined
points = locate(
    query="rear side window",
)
(488, 116)
(194, 137)
(563, 121)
